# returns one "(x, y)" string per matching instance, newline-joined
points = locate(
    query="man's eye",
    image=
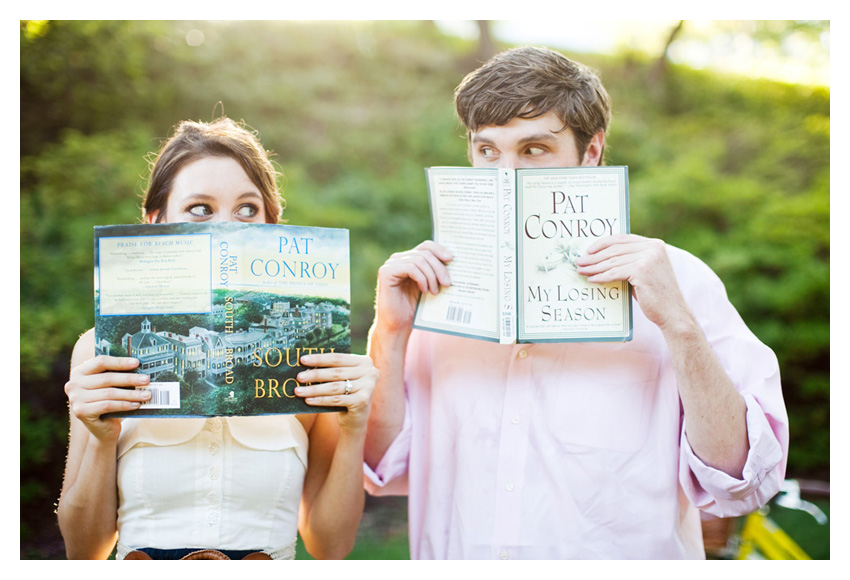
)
(247, 211)
(487, 152)
(201, 210)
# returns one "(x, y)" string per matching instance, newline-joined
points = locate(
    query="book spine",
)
(507, 257)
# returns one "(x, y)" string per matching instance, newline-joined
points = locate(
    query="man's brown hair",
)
(529, 82)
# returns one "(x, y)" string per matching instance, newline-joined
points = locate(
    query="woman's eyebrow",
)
(199, 197)
(250, 194)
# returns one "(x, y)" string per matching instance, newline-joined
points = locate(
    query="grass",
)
(811, 536)
(383, 531)
(382, 534)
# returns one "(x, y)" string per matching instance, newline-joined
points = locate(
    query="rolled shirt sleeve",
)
(754, 371)
(722, 495)
(390, 475)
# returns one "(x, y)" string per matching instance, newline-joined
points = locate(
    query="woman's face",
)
(213, 189)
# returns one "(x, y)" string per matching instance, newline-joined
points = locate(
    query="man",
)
(571, 450)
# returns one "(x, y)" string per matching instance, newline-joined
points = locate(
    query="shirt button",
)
(213, 498)
(215, 446)
(214, 425)
(215, 472)
(213, 518)
(523, 354)
(509, 487)
(504, 555)
(515, 420)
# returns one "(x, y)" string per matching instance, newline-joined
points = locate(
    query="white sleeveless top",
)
(228, 483)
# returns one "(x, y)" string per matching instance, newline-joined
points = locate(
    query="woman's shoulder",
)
(84, 347)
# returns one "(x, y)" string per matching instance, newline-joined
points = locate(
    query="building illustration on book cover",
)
(219, 315)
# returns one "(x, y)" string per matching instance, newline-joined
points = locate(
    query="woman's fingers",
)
(103, 385)
(338, 380)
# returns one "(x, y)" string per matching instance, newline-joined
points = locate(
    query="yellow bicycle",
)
(760, 537)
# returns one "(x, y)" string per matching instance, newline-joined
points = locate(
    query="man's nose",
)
(509, 161)
(514, 161)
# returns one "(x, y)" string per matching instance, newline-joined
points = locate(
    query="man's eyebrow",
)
(547, 136)
(477, 138)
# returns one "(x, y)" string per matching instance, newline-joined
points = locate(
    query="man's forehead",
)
(546, 127)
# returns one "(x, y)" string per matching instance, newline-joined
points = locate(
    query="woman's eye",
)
(534, 151)
(201, 210)
(247, 211)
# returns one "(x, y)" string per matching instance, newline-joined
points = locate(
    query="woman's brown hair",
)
(222, 137)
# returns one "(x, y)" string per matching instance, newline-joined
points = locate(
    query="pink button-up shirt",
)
(575, 450)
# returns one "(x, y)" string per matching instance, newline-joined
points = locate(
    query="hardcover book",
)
(515, 235)
(220, 314)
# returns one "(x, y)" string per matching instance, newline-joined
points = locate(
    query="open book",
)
(515, 235)
(219, 314)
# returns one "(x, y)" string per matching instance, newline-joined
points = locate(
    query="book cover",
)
(562, 212)
(220, 314)
(515, 235)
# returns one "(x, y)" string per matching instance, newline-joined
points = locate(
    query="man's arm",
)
(400, 281)
(386, 348)
(715, 413)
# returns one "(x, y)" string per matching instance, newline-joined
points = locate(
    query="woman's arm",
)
(333, 496)
(88, 504)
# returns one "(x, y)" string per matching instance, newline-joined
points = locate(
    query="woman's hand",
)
(339, 380)
(95, 388)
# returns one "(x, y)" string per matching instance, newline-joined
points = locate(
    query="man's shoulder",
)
(678, 254)
(686, 263)
(697, 280)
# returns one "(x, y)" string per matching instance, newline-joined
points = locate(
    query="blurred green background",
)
(732, 168)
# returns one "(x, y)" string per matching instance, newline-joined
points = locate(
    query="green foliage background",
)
(735, 171)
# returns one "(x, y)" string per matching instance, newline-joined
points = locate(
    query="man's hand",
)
(403, 277)
(644, 263)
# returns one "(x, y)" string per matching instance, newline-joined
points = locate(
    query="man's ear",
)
(593, 153)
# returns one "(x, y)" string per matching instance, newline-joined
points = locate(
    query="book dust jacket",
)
(220, 314)
(563, 211)
(515, 235)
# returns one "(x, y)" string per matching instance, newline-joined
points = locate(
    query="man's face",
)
(538, 142)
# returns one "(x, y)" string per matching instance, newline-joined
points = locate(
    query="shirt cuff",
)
(390, 475)
(723, 495)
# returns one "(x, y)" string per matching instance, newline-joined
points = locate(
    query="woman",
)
(168, 487)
